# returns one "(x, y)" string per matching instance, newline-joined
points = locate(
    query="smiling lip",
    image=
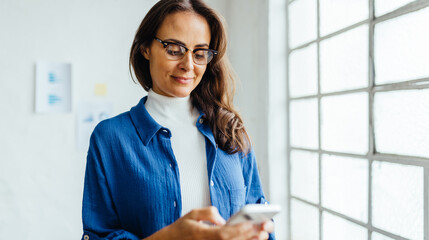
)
(183, 80)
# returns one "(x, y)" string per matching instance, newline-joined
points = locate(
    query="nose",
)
(187, 62)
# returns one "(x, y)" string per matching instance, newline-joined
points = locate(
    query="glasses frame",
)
(166, 43)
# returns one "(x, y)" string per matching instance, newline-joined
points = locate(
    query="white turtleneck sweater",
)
(188, 144)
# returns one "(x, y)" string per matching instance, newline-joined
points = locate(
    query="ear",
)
(145, 52)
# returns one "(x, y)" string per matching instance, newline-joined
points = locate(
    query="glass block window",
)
(344, 123)
(303, 72)
(336, 228)
(378, 236)
(386, 6)
(345, 185)
(401, 122)
(305, 123)
(344, 61)
(302, 21)
(358, 119)
(305, 175)
(397, 199)
(305, 221)
(338, 14)
(401, 48)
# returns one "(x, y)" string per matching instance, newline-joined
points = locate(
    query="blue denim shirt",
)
(132, 186)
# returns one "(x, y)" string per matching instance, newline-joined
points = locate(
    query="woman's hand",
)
(197, 225)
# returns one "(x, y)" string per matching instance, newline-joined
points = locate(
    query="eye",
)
(175, 50)
(200, 54)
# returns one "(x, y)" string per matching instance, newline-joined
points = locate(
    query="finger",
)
(268, 226)
(209, 214)
(245, 230)
(263, 235)
(242, 231)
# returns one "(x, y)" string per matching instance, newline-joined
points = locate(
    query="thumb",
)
(208, 214)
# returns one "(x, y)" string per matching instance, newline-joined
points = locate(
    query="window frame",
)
(372, 89)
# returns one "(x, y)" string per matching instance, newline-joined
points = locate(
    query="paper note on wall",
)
(89, 115)
(100, 89)
(53, 87)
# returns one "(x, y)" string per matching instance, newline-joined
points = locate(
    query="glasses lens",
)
(174, 51)
(202, 56)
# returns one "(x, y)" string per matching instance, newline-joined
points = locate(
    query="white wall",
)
(277, 104)
(41, 172)
(248, 47)
(257, 48)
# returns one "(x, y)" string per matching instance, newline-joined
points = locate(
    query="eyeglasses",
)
(176, 51)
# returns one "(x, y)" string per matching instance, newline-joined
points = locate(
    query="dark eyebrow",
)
(181, 43)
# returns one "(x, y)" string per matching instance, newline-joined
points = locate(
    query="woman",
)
(180, 162)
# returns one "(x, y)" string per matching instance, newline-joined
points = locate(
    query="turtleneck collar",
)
(170, 109)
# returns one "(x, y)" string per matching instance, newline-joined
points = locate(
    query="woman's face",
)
(178, 78)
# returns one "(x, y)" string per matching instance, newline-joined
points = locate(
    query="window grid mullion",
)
(401, 159)
(408, 85)
(426, 204)
(411, 7)
(357, 222)
(371, 135)
(319, 114)
(320, 38)
(288, 148)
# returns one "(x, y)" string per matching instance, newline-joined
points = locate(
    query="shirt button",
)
(201, 121)
(212, 183)
(175, 204)
(171, 165)
(86, 237)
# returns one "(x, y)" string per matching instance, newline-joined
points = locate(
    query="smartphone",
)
(255, 213)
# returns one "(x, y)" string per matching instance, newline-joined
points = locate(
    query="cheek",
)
(160, 68)
(200, 71)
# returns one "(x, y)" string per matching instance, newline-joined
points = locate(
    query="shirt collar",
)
(205, 129)
(147, 127)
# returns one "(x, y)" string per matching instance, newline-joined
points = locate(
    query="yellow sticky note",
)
(100, 89)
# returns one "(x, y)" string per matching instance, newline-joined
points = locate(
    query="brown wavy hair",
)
(214, 94)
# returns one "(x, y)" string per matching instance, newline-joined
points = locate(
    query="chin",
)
(181, 93)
